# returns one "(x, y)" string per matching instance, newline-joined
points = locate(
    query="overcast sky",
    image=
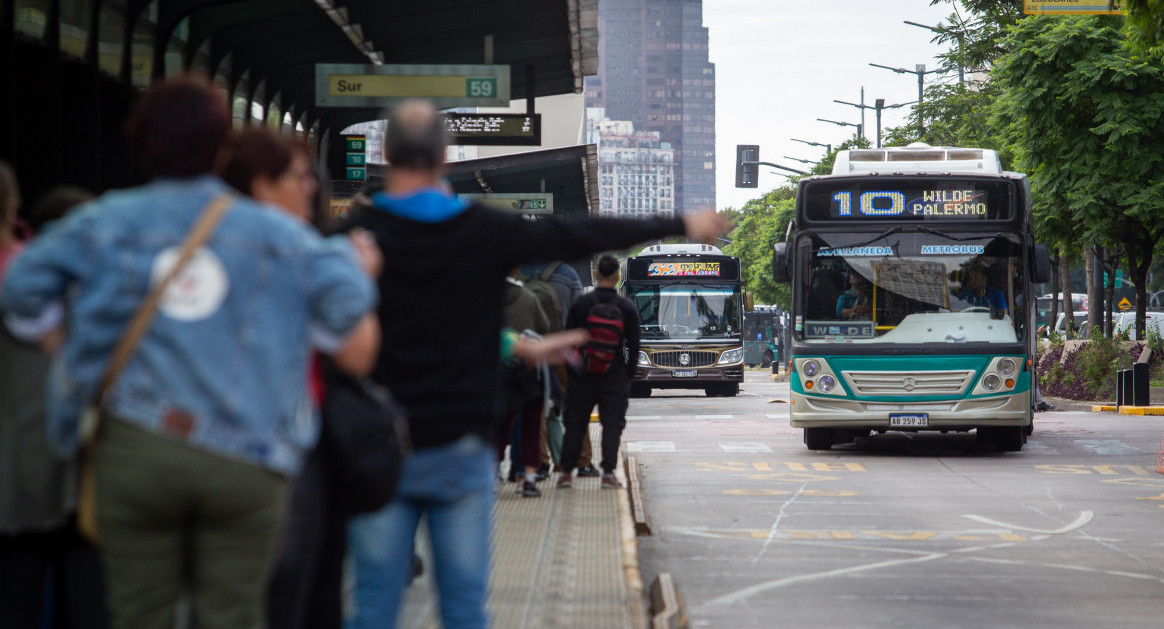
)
(780, 63)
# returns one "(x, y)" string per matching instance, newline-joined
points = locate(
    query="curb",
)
(667, 610)
(634, 490)
(629, 543)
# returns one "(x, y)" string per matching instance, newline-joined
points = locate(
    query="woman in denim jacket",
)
(210, 416)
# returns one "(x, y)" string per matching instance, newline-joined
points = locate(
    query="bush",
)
(1086, 373)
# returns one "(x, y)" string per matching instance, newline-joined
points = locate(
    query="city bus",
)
(912, 300)
(762, 326)
(691, 301)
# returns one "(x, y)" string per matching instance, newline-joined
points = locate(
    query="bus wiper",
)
(938, 232)
(884, 234)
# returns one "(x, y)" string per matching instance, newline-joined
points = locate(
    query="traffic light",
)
(747, 165)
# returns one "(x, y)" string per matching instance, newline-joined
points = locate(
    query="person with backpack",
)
(524, 387)
(605, 373)
(556, 286)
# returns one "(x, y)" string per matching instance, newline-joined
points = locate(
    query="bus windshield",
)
(687, 311)
(911, 287)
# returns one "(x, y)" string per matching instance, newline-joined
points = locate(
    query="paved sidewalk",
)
(566, 560)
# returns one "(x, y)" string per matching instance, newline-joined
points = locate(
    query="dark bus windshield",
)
(687, 311)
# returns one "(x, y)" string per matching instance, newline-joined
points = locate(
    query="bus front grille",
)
(675, 359)
(909, 382)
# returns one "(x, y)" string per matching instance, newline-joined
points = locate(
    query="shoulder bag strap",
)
(548, 272)
(141, 320)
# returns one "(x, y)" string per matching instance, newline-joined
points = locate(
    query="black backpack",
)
(604, 323)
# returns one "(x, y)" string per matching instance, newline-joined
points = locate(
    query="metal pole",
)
(863, 127)
(880, 104)
(921, 77)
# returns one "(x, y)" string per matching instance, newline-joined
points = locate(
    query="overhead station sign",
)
(522, 203)
(1073, 7)
(494, 129)
(354, 85)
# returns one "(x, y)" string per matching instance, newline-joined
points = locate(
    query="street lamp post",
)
(879, 105)
(797, 159)
(961, 42)
(861, 105)
(921, 72)
(859, 126)
(828, 147)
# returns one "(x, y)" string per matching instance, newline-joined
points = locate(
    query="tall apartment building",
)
(635, 172)
(653, 70)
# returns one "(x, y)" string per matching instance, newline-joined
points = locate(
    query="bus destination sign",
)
(683, 269)
(494, 129)
(936, 201)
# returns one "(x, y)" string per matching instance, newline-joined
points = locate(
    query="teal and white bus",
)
(912, 301)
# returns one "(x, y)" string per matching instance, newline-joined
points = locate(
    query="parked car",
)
(1079, 303)
(1126, 322)
(1081, 326)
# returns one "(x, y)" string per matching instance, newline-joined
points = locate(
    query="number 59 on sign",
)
(483, 87)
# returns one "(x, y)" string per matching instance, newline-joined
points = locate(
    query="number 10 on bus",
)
(481, 87)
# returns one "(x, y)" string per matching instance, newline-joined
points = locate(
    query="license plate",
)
(685, 373)
(916, 420)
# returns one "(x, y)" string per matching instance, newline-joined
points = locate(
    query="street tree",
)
(758, 224)
(1084, 117)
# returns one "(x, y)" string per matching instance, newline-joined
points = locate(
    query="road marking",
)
(638, 417)
(775, 466)
(792, 477)
(1137, 482)
(1102, 470)
(815, 493)
(1157, 497)
(776, 416)
(650, 446)
(1107, 448)
(739, 595)
(1079, 522)
(745, 446)
(707, 417)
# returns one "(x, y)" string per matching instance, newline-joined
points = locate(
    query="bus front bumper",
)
(832, 412)
(664, 378)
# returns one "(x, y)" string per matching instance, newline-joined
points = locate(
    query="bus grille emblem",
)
(684, 359)
(908, 383)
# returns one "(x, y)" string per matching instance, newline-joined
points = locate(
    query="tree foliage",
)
(1145, 27)
(1084, 115)
(758, 224)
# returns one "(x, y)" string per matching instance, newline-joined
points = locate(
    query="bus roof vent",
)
(683, 248)
(917, 158)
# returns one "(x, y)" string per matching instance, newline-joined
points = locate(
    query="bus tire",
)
(1009, 438)
(640, 390)
(818, 438)
(730, 389)
(766, 361)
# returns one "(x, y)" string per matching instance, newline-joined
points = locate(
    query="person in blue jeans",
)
(436, 248)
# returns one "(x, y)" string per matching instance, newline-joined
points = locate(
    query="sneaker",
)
(589, 472)
(543, 472)
(610, 482)
(1044, 406)
(565, 480)
(529, 490)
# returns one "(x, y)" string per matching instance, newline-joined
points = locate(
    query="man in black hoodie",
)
(444, 364)
(609, 390)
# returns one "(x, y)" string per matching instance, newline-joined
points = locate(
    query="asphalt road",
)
(899, 530)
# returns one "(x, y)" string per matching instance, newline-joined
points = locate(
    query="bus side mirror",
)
(1042, 265)
(780, 266)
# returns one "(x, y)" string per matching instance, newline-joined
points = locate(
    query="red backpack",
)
(604, 323)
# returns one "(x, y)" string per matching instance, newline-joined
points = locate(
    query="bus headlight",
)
(810, 368)
(826, 383)
(644, 360)
(1007, 367)
(731, 356)
(991, 382)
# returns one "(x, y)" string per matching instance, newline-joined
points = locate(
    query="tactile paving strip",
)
(557, 560)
